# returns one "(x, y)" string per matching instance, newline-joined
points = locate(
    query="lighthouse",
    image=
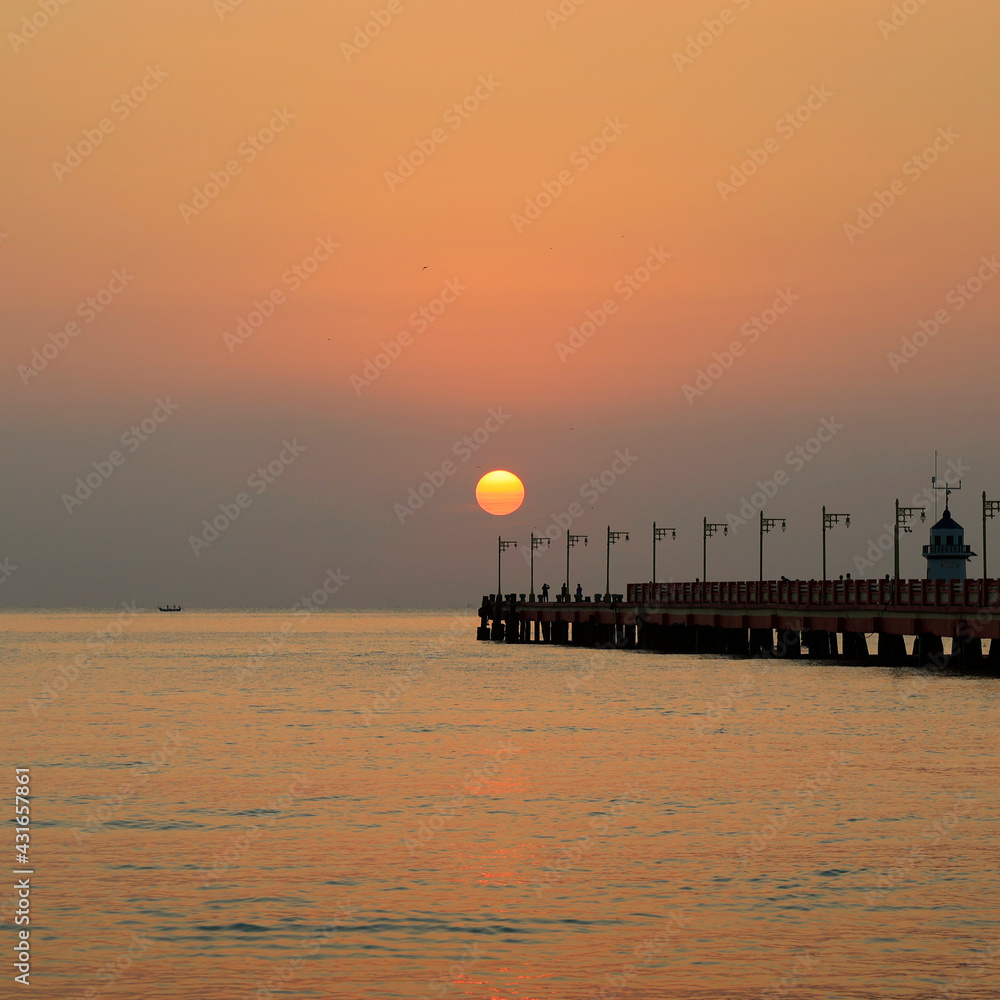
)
(947, 552)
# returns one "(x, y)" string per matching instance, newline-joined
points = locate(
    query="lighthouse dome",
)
(947, 554)
(947, 522)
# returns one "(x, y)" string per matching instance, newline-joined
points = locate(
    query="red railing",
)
(942, 594)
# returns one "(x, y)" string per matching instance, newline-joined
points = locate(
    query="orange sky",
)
(597, 109)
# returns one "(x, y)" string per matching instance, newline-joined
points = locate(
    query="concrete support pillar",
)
(891, 649)
(818, 644)
(855, 646)
(512, 633)
(483, 632)
(789, 644)
(994, 658)
(736, 641)
(928, 652)
(708, 639)
(687, 637)
(761, 642)
(546, 631)
(967, 654)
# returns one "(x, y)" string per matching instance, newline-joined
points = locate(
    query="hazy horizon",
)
(662, 233)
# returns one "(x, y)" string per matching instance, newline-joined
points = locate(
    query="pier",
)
(788, 619)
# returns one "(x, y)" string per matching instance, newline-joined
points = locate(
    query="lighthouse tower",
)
(947, 553)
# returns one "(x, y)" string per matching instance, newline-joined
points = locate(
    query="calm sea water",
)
(247, 805)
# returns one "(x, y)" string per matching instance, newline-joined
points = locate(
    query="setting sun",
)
(500, 492)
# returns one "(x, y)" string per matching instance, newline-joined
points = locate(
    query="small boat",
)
(171, 607)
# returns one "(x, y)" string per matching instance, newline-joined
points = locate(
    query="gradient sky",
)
(674, 128)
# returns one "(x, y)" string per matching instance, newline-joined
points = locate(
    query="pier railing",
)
(941, 594)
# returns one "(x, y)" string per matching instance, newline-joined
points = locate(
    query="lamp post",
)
(658, 535)
(537, 541)
(903, 515)
(502, 547)
(990, 510)
(707, 531)
(613, 536)
(766, 525)
(829, 520)
(571, 542)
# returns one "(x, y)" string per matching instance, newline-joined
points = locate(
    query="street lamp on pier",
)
(502, 547)
(571, 542)
(613, 536)
(767, 524)
(537, 541)
(707, 531)
(829, 520)
(903, 515)
(658, 535)
(990, 510)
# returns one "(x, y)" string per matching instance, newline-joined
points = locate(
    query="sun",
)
(500, 492)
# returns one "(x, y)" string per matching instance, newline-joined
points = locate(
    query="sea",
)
(370, 804)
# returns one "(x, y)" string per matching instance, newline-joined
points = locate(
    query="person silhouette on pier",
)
(579, 592)
(545, 592)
